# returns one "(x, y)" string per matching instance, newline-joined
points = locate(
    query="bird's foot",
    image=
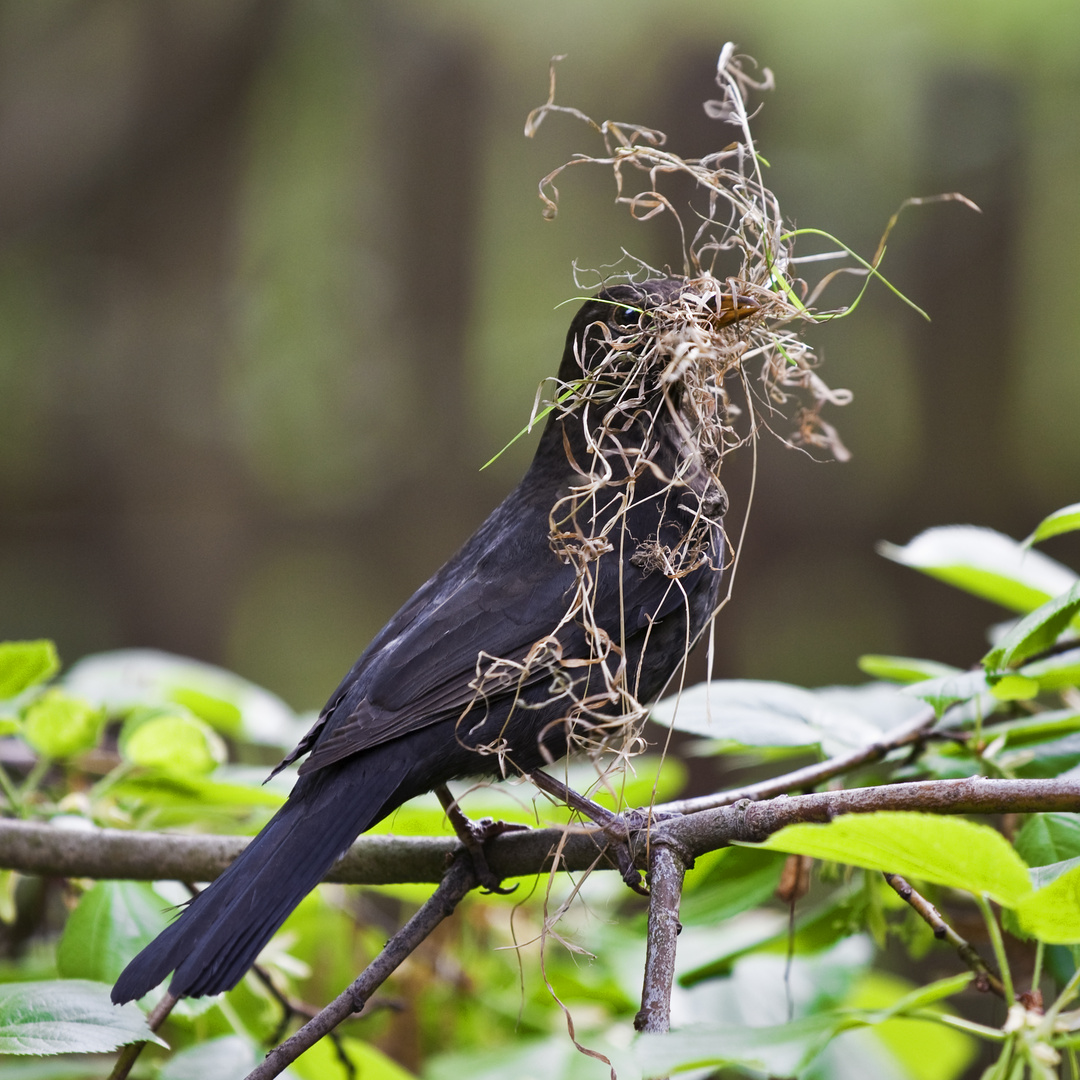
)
(618, 828)
(473, 836)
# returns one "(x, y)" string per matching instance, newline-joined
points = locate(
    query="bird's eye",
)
(625, 317)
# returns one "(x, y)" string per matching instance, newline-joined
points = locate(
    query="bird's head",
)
(625, 324)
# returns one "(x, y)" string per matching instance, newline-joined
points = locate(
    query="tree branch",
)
(111, 854)
(756, 821)
(672, 845)
(116, 854)
(459, 879)
(812, 775)
(666, 872)
(130, 1053)
(985, 978)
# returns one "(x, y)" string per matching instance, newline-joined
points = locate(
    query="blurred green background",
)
(274, 283)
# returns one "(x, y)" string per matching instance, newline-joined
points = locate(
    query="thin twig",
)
(289, 1007)
(812, 775)
(130, 1053)
(985, 977)
(459, 880)
(666, 872)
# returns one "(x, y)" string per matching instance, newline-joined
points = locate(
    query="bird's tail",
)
(221, 932)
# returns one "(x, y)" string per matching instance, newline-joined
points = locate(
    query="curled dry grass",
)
(711, 338)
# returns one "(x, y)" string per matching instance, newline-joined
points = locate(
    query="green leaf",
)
(68, 1067)
(904, 669)
(945, 850)
(553, 1058)
(322, 1062)
(1052, 914)
(1035, 729)
(838, 916)
(737, 880)
(67, 1016)
(634, 787)
(927, 1048)
(949, 689)
(197, 794)
(882, 705)
(171, 742)
(220, 714)
(122, 680)
(786, 1051)
(58, 725)
(224, 1058)
(1041, 876)
(783, 1050)
(1049, 838)
(739, 713)
(113, 921)
(985, 563)
(1014, 688)
(923, 996)
(1047, 759)
(1055, 672)
(9, 881)
(1035, 632)
(1067, 519)
(24, 664)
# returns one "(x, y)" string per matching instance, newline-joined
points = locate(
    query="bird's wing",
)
(500, 595)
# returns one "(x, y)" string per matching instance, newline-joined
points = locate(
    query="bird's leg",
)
(615, 826)
(473, 835)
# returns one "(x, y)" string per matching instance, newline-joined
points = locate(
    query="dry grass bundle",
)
(669, 357)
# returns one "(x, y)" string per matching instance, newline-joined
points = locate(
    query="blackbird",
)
(575, 600)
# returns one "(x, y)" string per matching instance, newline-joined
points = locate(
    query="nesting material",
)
(712, 359)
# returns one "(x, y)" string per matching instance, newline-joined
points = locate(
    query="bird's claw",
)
(480, 832)
(473, 836)
(619, 831)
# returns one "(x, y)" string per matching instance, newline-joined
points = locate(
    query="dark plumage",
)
(426, 695)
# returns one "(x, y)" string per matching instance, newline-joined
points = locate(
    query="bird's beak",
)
(732, 307)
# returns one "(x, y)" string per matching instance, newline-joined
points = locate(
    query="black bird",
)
(576, 599)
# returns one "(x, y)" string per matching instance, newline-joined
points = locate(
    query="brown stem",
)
(459, 879)
(130, 1053)
(985, 978)
(666, 872)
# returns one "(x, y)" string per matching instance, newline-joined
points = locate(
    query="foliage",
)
(804, 986)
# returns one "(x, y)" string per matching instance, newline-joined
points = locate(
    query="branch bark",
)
(130, 1053)
(812, 775)
(666, 872)
(985, 978)
(111, 854)
(459, 880)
